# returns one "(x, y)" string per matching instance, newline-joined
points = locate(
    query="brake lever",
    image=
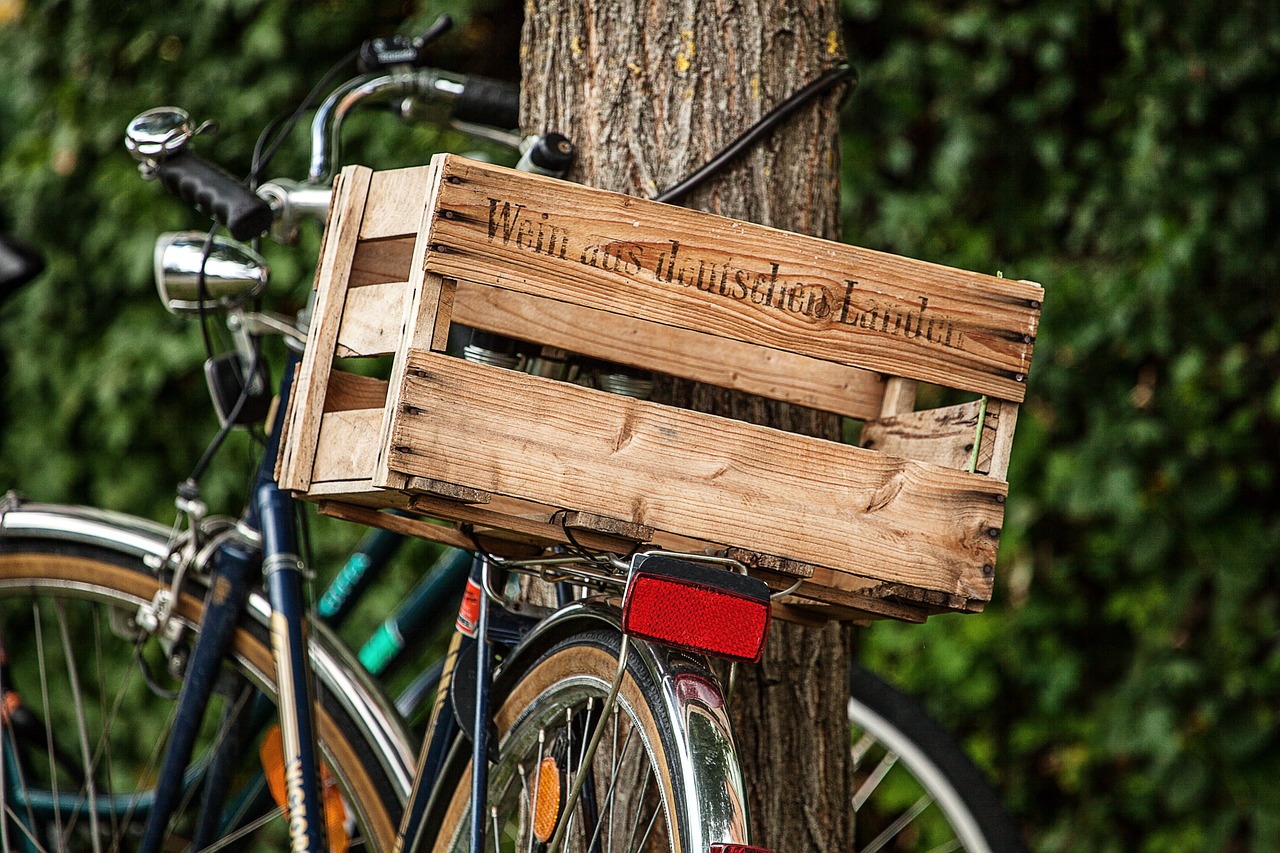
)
(381, 53)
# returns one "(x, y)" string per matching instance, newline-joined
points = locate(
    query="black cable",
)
(261, 163)
(819, 85)
(202, 292)
(230, 423)
(256, 163)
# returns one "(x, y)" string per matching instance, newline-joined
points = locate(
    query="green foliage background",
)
(1124, 687)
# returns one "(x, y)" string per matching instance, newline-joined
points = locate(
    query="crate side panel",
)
(733, 279)
(332, 274)
(697, 475)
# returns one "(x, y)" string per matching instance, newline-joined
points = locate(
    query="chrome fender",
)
(715, 804)
(332, 662)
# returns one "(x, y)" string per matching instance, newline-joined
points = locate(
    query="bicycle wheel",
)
(543, 724)
(915, 788)
(89, 701)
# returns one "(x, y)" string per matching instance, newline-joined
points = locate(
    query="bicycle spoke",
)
(153, 761)
(873, 781)
(4, 764)
(48, 722)
(860, 749)
(657, 809)
(21, 780)
(635, 825)
(26, 831)
(101, 752)
(248, 829)
(89, 789)
(949, 847)
(613, 786)
(901, 823)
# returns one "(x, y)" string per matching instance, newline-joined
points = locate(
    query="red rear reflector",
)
(696, 607)
(738, 848)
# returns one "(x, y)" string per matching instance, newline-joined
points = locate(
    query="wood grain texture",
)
(706, 477)
(349, 391)
(380, 261)
(348, 446)
(372, 319)
(395, 203)
(943, 436)
(701, 357)
(735, 279)
(332, 273)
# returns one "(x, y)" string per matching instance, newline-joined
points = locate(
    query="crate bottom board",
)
(525, 530)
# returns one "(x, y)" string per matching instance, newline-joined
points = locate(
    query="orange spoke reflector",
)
(336, 822)
(546, 800)
(697, 607)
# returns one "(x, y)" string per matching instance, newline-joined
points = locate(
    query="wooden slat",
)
(348, 447)
(728, 363)
(395, 202)
(699, 475)
(941, 436)
(343, 228)
(372, 319)
(424, 324)
(575, 520)
(537, 530)
(780, 565)
(381, 261)
(448, 491)
(349, 391)
(997, 439)
(899, 396)
(734, 279)
(433, 532)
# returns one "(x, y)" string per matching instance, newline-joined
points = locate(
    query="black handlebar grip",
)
(213, 191)
(489, 102)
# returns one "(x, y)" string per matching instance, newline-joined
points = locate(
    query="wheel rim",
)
(625, 809)
(902, 800)
(82, 676)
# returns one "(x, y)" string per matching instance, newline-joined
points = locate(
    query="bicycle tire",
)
(915, 787)
(46, 587)
(549, 696)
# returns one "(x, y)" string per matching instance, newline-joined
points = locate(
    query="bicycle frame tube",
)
(271, 509)
(227, 595)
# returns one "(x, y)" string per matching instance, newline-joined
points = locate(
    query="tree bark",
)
(648, 93)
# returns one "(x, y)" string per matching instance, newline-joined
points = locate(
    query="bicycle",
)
(141, 592)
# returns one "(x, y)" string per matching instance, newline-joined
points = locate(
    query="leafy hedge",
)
(1125, 156)
(1125, 685)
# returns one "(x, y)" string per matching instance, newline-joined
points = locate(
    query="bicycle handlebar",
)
(158, 139)
(476, 100)
(211, 190)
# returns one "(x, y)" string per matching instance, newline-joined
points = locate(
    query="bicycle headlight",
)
(228, 273)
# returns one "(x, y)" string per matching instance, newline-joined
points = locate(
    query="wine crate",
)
(902, 526)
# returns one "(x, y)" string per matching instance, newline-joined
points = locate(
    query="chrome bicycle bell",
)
(188, 277)
(159, 133)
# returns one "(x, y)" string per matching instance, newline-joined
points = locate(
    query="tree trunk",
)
(648, 93)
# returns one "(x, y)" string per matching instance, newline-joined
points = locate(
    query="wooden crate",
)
(903, 526)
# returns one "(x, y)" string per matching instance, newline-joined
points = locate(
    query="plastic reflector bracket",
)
(738, 848)
(696, 607)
